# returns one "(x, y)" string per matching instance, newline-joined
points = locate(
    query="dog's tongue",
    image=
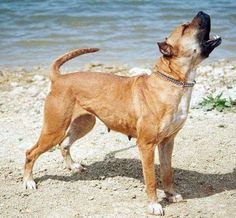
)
(215, 37)
(214, 40)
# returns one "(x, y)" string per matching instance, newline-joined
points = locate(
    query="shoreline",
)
(78, 64)
(212, 78)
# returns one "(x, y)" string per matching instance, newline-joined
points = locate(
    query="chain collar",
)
(176, 82)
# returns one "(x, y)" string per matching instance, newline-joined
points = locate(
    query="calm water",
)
(35, 32)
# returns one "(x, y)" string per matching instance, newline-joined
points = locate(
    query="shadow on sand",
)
(191, 184)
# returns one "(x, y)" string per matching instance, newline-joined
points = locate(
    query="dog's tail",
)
(55, 72)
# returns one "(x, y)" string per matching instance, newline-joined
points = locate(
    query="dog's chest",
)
(180, 115)
(182, 111)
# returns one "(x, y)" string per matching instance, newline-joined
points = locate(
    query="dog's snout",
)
(202, 14)
(203, 21)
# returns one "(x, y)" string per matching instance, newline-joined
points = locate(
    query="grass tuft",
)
(216, 103)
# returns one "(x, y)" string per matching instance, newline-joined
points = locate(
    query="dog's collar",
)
(176, 82)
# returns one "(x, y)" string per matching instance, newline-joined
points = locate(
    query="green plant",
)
(218, 102)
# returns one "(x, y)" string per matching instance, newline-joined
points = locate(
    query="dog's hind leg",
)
(79, 127)
(56, 122)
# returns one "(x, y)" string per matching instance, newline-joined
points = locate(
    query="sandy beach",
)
(204, 158)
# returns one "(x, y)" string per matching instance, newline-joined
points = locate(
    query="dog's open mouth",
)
(207, 46)
(213, 42)
(207, 43)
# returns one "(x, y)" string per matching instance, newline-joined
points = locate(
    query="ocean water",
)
(36, 32)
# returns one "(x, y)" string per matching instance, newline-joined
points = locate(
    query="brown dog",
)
(150, 108)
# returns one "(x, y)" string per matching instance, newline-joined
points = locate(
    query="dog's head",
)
(190, 42)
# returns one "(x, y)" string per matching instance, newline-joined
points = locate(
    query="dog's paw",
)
(29, 184)
(77, 168)
(174, 198)
(155, 209)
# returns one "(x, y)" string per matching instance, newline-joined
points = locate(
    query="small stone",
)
(16, 91)
(139, 71)
(94, 185)
(38, 78)
(133, 197)
(33, 91)
(14, 84)
(27, 210)
(230, 67)
(25, 195)
(91, 198)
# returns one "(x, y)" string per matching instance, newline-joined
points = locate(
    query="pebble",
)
(102, 177)
(17, 91)
(38, 78)
(138, 71)
(14, 84)
(91, 198)
(25, 195)
(204, 69)
(33, 91)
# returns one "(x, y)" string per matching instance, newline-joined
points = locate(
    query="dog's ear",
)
(165, 48)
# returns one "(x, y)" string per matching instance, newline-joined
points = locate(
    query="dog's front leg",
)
(147, 152)
(165, 155)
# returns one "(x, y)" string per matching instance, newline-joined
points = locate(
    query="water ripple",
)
(126, 31)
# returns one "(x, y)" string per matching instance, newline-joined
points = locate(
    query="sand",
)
(204, 158)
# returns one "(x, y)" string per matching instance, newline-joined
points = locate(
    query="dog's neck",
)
(186, 74)
(178, 71)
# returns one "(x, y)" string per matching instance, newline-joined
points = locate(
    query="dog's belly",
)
(118, 115)
(122, 127)
(119, 121)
